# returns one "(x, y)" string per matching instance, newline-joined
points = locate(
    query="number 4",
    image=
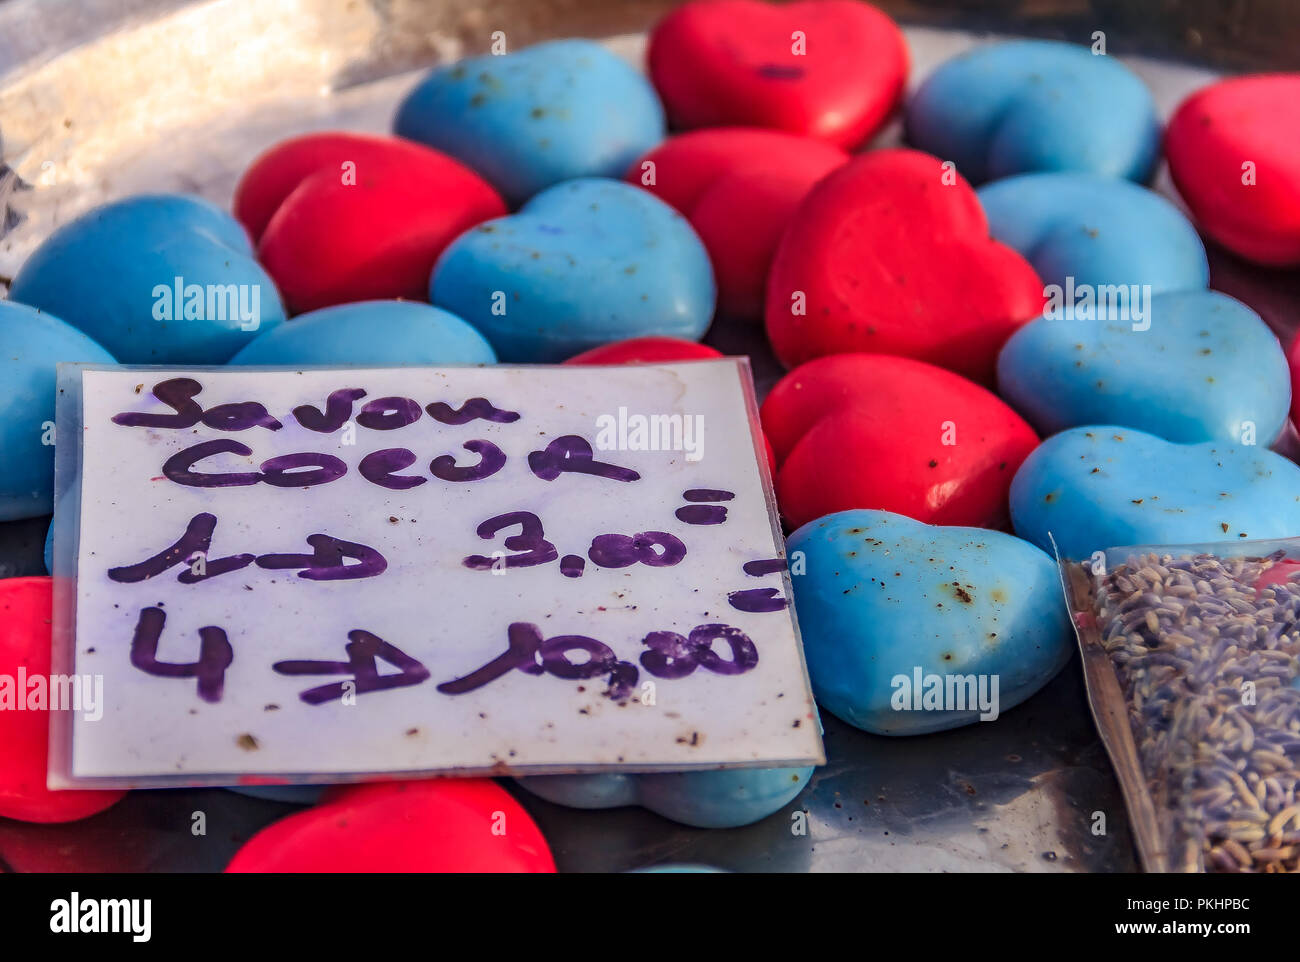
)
(215, 655)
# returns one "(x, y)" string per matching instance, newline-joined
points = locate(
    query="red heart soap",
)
(687, 165)
(875, 431)
(645, 350)
(1295, 381)
(26, 607)
(1279, 574)
(1234, 153)
(343, 217)
(656, 350)
(428, 825)
(739, 188)
(275, 174)
(831, 69)
(891, 254)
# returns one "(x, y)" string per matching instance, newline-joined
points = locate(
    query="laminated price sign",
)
(323, 574)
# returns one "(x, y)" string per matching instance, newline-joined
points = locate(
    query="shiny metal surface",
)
(101, 99)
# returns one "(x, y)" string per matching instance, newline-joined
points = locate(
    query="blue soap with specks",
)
(1036, 105)
(1083, 230)
(32, 343)
(379, 333)
(887, 604)
(155, 279)
(528, 120)
(582, 264)
(725, 798)
(1098, 487)
(1196, 366)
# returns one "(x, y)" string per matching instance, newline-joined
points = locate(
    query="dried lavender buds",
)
(1207, 657)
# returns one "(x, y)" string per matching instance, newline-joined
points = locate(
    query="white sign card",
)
(318, 574)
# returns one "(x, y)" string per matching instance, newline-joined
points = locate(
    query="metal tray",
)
(103, 98)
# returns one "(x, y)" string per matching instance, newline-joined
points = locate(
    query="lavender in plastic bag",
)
(1204, 647)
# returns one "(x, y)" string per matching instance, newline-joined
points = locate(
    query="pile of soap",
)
(998, 338)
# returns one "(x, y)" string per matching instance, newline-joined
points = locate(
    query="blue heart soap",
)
(1102, 487)
(1097, 231)
(379, 333)
(31, 344)
(582, 264)
(1036, 105)
(893, 611)
(292, 794)
(156, 279)
(1199, 367)
(726, 798)
(678, 869)
(528, 120)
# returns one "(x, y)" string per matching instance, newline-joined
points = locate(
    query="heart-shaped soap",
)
(831, 69)
(1234, 152)
(1083, 232)
(289, 794)
(31, 344)
(155, 279)
(677, 869)
(1198, 366)
(891, 254)
(1027, 105)
(1103, 486)
(738, 187)
(685, 167)
(432, 825)
(528, 120)
(1294, 358)
(377, 333)
(657, 350)
(910, 628)
(342, 217)
(726, 798)
(874, 431)
(584, 263)
(26, 606)
(1281, 573)
(646, 350)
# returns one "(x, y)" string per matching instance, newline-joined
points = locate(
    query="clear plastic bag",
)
(1192, 660)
